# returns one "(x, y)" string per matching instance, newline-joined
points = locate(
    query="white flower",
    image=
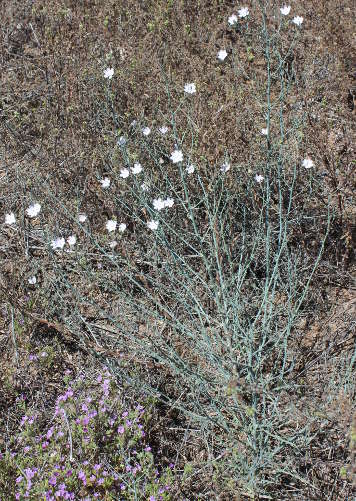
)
(124, 173)
(58, 243)
(111, 225)
(264, 132)
(153, 225)
(137, 168)
(308, 163)
(163, 130)
(161, 161)
(259, 178)
(190, 169)
(169, 202)
(244, 12)
(82, 218)
(121, 141)
(133, 123)
(222, 54)
(109, 73)
(232, 20)
(33, 210)
(298, 20)
(285, 10)
(32, 280)
(10, 218)
(71, 240)
(122, 227)
(225, 167)
(158, 204)
(105, 183)
(189, 88)
(113, 244)
(144, 187)
(146, 131)
(176, 156)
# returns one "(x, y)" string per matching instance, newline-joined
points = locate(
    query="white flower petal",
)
(222, 54)
(124, 173)
(169, 202)
(113, 244)
(232, 20)
(176, 156)
(58, 243)
(137, 168)
(111, 225)
(10, 218)
(285, 10)
(190, 88)
(264, 132)
(190, 169)
(308, 163)
(146, 131)
(122, 227)
(105, 183)
(32, 280)
(109, 73)
(153, 225)
(121, 141)
(33, 210)
(244, 12)
(82, 218)
(225, 167)
(72, 240)
(163, 130)
(259, 178)
(158, 204)
(298, 20)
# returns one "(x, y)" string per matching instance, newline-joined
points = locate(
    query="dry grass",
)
(59, 127)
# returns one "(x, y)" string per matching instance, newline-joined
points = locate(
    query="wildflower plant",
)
(204, 284)
(93, 448)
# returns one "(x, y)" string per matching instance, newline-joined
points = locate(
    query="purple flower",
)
(171, 465)
(69, 473)
(152, 498)
(23, 420)
(129, 423)
(18, 480)
(100, 481)
(45, 444)
(97, 467)
(84, 407)
(49, 433)
(29, 473)
(26, 449)
(82, 477)
(121, 430)
(85, 420)
(52, 480)
(122, 487)
(92, 478)
(124, 414)
(148, 449)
